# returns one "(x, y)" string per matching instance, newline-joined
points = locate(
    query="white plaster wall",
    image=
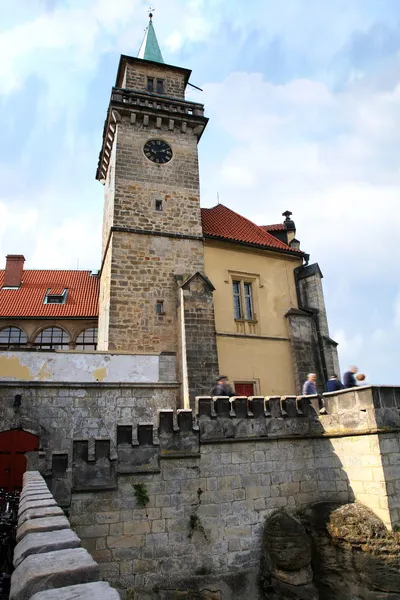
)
(78, 367)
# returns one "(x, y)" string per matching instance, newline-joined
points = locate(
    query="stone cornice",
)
(150, 110)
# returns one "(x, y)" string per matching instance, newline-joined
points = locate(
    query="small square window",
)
(159, 205)
(160, 307)
(160, 86)
(150, 84)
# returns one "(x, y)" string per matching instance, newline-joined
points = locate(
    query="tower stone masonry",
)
(152, 233)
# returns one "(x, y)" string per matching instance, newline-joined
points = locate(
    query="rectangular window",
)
(150, 84)
(160, 307)
(243, 303)
(237, 300)
(160, 86)
(159, 205)
(248, 301)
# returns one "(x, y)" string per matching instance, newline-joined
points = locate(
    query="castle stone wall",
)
(212, 481)
(144, 269)
(86, 367)
(139, 182)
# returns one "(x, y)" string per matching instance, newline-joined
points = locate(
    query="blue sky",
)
(304, 104)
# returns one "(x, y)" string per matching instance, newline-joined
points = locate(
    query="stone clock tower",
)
(152, 251)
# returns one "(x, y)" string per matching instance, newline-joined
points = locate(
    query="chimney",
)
(290, 226)
(14, 270)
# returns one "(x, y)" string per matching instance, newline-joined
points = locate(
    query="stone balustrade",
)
(48, 560)
(161, 103)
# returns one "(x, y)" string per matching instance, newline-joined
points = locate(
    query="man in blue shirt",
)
(349, 380)
(333, 384)
(310, 386)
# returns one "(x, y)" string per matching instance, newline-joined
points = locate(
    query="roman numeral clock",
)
(158, 151)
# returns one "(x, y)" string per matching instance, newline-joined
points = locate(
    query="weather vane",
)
(150, 11)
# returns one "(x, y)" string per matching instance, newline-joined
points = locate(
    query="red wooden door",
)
(13, 445)
(244, 389)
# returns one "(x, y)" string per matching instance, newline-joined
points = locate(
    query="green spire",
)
(150, 50)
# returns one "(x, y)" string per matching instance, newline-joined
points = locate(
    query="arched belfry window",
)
(87, 340)
(12, 336)
(52, 338)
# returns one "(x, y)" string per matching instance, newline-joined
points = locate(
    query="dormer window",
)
(53, 297)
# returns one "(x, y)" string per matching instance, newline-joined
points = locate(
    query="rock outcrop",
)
(354, 556)
(286, 571)
(329, 552)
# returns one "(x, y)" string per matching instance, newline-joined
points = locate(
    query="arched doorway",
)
(13, 446)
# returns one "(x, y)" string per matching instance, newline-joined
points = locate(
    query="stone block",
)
(93, 531)
(91, 475)
(52, 570)
(347, 401)
(27, 505)
(124, 541)
(34, 484)
(34, 491)
(108, 517)
(39, 543)
(32, 478)
(138, 459)
(99, 590)
(387, 397)
(181, 441)
(36, 496)
(387, 418)
(40, 513)
(365, 398)
(41, 526)
(31, 475)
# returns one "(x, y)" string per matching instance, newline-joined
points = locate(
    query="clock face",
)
(158, 151)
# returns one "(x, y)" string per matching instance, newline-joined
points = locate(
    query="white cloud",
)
(327, 157)
(237, 176)
(330, 157)
(349, 347)
(396, 309)
(81, 236)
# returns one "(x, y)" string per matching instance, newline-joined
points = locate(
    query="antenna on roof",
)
(77, 264)
(217, 197)
(194, 86)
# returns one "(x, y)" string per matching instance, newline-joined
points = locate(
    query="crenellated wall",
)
(213, 477)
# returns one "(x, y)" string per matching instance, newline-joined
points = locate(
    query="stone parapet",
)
(48, 560)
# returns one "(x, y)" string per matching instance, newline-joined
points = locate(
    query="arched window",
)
(87, 340)
(12, 336)
(52, 338)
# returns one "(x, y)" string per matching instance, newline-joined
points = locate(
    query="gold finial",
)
(150, 11)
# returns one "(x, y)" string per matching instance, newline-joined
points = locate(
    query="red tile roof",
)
(221, 222)
(27, 301)
(276, 227)
(83, 288)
